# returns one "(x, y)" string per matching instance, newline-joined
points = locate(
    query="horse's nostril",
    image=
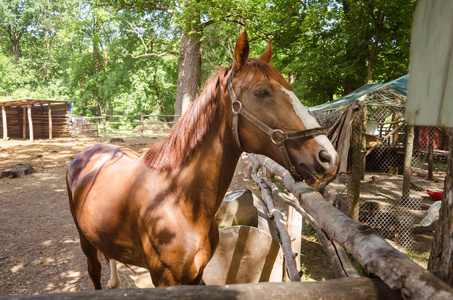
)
(325, 157)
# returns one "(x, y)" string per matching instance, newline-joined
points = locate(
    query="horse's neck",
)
(212, 166)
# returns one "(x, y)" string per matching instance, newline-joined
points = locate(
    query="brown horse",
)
(157, 210)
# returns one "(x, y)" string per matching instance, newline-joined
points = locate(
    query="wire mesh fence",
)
(382, 204)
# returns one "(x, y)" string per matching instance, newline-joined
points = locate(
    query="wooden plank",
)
(430, 87)
(344, 288)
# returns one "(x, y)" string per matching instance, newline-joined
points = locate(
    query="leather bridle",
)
(277, 136)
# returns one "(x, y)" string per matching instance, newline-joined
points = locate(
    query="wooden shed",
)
(34, 118)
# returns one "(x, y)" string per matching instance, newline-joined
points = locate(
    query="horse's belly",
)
(116, 239)
(101, 187)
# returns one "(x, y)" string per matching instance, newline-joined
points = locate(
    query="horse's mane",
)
(256, 66)
(190, 129)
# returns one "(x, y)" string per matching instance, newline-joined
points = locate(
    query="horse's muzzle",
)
(324, 166)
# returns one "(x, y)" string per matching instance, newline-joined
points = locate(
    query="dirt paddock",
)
(39, 248)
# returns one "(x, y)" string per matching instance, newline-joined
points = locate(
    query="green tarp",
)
(399, 85)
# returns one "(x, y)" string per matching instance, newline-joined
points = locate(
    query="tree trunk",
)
(373, 55)
(189, 72)
(441, 257)
(14, 39)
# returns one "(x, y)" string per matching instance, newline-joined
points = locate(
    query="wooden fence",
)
(123, 125)
(399, 277)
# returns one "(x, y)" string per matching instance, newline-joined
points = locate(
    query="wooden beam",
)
(49, 112)
(30, 122)
(5, 123)
(344, 288)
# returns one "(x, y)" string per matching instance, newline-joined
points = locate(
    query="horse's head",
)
(269, 119)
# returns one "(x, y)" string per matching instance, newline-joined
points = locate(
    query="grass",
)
(420, 258)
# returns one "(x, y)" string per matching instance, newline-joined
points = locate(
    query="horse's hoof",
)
(202, 282)
(112, 284)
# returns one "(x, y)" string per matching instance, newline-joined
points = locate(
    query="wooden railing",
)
(123, 125)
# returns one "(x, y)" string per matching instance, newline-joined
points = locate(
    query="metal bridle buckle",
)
(277, 139)
(238, 111)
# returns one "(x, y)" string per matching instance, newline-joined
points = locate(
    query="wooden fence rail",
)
(339, 289)
(364, 243)
(104, 123)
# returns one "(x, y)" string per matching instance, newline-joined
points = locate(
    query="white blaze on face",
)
(309, 121)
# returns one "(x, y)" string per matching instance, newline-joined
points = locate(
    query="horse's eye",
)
(262, 93)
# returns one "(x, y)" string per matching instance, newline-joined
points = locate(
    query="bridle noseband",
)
(277, 136)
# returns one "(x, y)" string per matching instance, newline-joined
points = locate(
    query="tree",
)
(441, 257)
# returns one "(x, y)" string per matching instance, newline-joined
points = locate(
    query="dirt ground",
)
(39, 248)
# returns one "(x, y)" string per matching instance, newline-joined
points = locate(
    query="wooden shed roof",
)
(30, 101)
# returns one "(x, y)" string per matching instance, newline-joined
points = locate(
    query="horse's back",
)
(101, 165)
(94, 158)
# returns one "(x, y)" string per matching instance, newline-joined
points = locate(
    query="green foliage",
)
(121, 57)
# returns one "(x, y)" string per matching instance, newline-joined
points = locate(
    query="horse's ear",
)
(241, 51)
(267, 54)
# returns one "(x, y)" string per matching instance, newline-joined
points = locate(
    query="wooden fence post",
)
(141, 125)
(49, 112)
(294, 225)
(5, 124)
(430, 153)
(30, 123)
(104, 126)
(24, 125)
(364, 124)
(356, 168)
(441, 258)
(408, 163)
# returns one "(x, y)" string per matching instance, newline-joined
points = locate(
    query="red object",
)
(435, 195)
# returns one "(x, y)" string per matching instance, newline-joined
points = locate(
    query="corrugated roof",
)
(399, 85)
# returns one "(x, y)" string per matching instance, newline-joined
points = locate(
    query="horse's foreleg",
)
(94, 267)
(114, 281)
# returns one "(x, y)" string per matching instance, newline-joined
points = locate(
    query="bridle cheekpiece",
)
(277, 136)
